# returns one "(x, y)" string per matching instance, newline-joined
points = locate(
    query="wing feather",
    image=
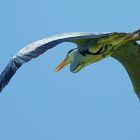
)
(129, 56)
(37, 48)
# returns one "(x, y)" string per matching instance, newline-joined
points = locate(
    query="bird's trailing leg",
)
(134, 36)
(137, 35)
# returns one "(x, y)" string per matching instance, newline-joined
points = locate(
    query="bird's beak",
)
(65, 62)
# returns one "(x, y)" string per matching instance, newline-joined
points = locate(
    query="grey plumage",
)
(91, 48)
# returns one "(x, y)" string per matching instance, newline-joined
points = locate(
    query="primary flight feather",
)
(90, 48)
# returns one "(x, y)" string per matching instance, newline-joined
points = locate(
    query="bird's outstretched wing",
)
(37, 48)
(129, 56)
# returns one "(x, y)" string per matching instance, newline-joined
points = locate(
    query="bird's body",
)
(91, 48)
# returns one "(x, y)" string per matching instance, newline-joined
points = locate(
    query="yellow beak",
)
(62, 64)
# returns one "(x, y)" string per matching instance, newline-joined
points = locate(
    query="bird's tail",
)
(8, 72)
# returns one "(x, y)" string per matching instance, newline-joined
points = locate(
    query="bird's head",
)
(77, 61)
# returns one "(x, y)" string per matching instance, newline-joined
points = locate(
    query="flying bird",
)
(91, 47)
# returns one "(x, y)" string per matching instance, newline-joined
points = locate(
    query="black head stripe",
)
(72, 50)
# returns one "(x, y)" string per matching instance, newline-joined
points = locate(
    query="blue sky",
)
(96, 103)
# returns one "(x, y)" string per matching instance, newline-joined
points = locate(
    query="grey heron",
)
(91, 47)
